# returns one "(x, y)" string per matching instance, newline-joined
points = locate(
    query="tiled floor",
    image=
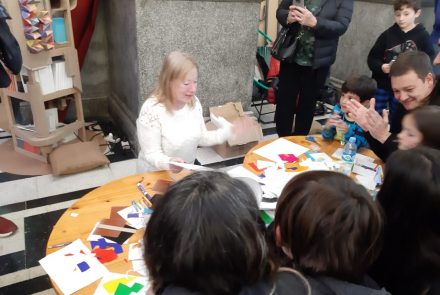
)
(36, 203)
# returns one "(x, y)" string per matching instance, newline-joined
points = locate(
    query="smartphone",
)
(298, 3)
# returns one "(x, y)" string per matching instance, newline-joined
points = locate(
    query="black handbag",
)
(286, 43)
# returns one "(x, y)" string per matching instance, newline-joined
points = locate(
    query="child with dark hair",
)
(329, 228)
(404, 35)
(340, 126)
(420, 127)
(410, 196)
(205, 236)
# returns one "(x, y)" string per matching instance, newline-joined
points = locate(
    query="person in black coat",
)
(321, 23)
(10, 56)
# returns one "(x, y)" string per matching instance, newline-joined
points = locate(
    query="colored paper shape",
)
(73, 272)
(161, 186)
(103, 244)
(121, 284)
(105, 255)
(290, 158)
(83, 266)
(126, 290)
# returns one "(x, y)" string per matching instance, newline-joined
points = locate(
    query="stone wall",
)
(221, 35)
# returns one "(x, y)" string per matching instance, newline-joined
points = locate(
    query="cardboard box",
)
(235, 146)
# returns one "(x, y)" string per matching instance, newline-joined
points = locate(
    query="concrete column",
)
(221, 35)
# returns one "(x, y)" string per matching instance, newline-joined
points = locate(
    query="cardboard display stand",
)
(52, 74)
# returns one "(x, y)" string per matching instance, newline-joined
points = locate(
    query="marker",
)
(369, 168)
(59, 245)
(146, 202)
(143, 191)
(136, 206)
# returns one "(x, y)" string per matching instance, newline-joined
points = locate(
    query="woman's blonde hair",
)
(175, 66)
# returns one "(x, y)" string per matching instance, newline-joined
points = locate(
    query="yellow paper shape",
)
(111, 286)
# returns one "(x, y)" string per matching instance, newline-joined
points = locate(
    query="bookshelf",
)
(47, 77)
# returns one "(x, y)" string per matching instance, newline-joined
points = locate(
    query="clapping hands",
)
(370, 120)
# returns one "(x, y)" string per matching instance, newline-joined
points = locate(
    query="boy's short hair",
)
(329, 224)
(206, 235)
(414, 4)
(362, 86)
(417, 61)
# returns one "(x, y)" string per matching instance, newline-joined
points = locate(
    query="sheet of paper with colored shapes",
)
(73, 267)
(279, 146)
(121, 284)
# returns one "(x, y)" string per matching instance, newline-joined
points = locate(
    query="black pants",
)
(298, 91)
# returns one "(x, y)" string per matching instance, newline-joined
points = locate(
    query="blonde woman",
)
(170, 125)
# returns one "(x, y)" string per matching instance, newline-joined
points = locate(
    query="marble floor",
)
(35, 204)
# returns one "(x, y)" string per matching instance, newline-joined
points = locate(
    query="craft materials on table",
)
(73, 267)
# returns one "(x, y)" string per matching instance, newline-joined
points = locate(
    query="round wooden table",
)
(95, 206)
(328, 147)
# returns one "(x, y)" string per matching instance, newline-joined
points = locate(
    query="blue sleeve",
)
(329, 134)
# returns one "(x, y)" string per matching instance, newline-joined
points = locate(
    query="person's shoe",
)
(7, 227)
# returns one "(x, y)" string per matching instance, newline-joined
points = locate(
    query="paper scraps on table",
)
(136, 222)
(102, 243)
(261, 165)
(73, 267)
(121, 284)
(289, 158)
(271, 151)
(105, 255)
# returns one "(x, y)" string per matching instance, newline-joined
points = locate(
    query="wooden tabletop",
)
(95, 206)
(328, 147)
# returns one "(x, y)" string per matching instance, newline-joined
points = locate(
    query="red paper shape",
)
(105, 255)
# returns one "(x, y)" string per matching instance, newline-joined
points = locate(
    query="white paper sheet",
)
(73, 267)
(240, 171)
(192, 166)
(136, 222)
(280, 146)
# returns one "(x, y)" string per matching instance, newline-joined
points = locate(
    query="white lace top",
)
(163, 134)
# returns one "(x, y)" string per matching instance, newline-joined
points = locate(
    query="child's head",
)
(420, 127)
(328, 225)
(405, 13)
(359, 88)
(410, 198)
(204, 235)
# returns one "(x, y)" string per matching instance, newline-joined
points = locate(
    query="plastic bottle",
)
(340, 135)
(348, 155)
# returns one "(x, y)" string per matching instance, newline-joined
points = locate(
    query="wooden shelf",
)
(47, 97)
(40, 142)
(34, 139)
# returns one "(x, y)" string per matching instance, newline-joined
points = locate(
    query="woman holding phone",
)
(321, 22)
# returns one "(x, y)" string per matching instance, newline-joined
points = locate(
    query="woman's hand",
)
(241, 125)
(304, 16)
(291, 16)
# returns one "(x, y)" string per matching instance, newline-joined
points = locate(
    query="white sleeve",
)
(220, 135)
(149, 132)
